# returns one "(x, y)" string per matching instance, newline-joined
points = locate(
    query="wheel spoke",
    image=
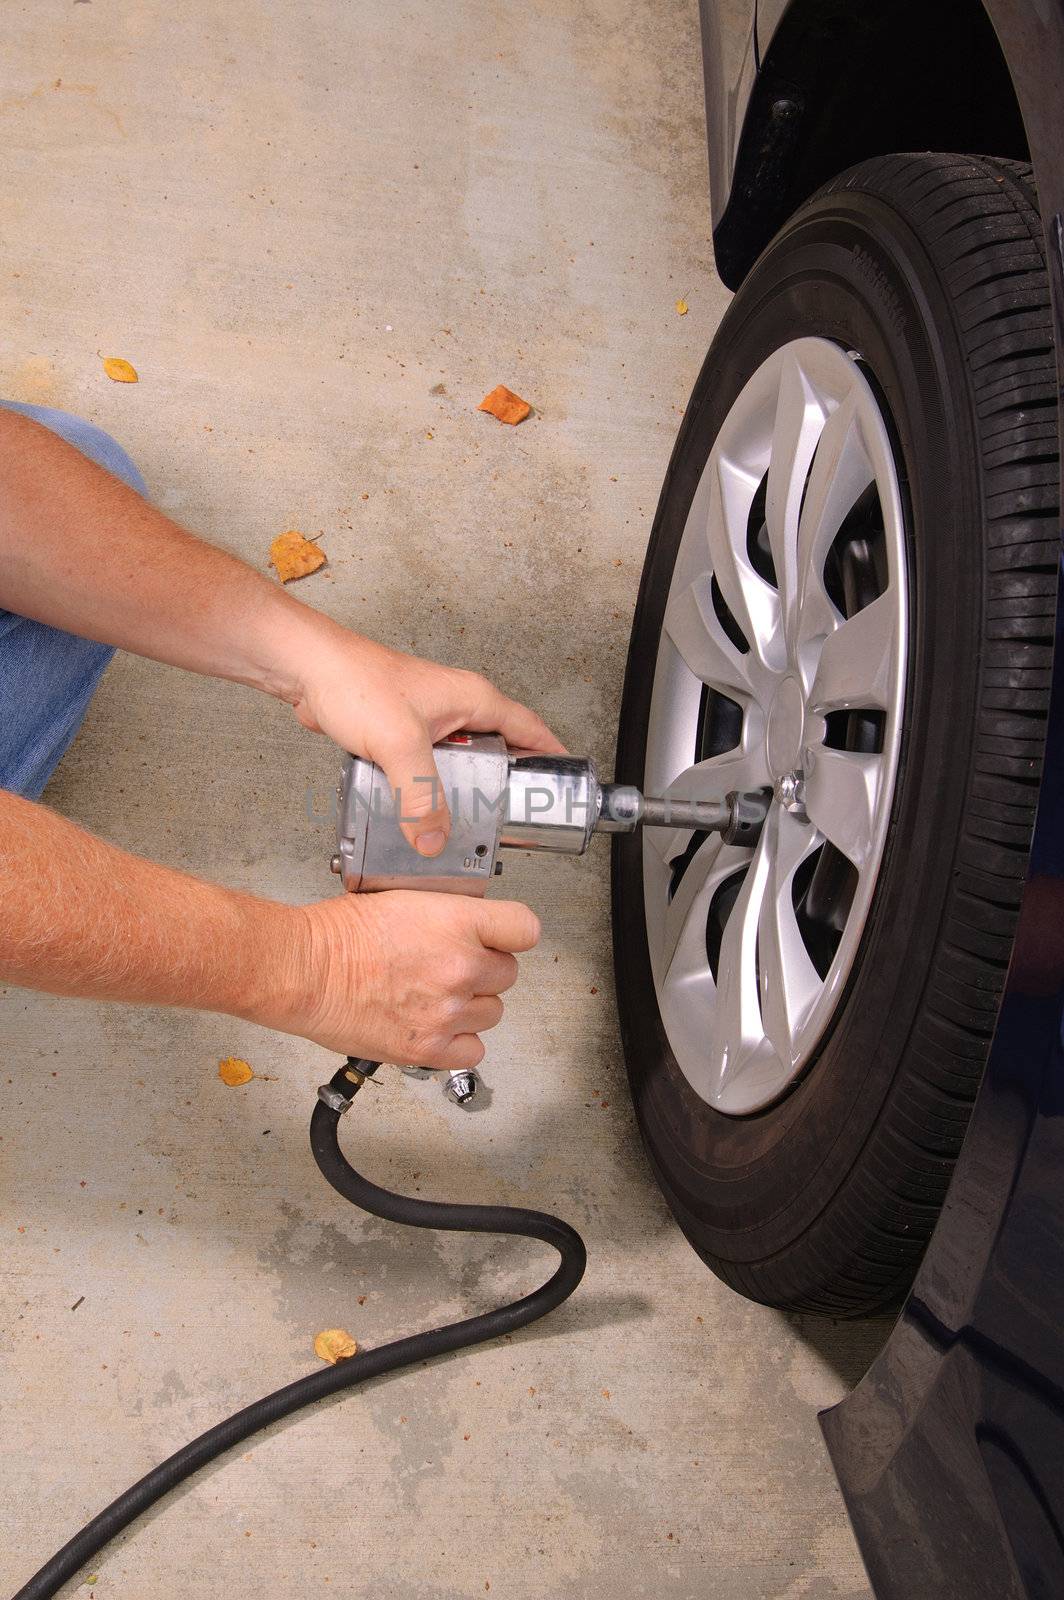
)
(840, 474)
(841, 794)
(752, 602)
(736, 1032)
(684, 957)
(856, 666)
(800, 418)
(674, 713)
(694, 628)
(789, 982)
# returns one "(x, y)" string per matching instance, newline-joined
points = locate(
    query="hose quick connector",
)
(342, 1087)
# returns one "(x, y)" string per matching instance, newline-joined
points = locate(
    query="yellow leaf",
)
(681, 308)
(334, 1344)
(233, 1071)
(293, 556)
(120, 371)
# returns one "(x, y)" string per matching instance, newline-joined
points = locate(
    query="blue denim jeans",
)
(47, 677)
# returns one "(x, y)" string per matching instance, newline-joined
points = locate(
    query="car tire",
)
(929, 270)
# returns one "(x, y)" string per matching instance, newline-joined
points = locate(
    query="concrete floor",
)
(321, 232)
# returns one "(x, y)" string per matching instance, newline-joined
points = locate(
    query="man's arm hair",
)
(83, 551)
(80, 917)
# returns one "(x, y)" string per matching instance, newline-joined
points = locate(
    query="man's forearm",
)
(82, 551)
(80, 917)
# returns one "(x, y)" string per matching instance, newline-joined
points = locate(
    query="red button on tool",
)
(460, 738)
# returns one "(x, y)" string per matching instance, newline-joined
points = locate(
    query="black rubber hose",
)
(71, 1559)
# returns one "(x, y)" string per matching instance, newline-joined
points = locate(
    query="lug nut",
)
(790, 792)
(461, 1086)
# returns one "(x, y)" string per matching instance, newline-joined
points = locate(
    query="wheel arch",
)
(839, 83)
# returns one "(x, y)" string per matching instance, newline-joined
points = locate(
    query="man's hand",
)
(392, 708)
(406, 976)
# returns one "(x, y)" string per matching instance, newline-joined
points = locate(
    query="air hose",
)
(334, 1099)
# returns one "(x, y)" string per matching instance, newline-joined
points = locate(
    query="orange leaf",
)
(504, 404)
(293, 556)
(334, 1344)
(233, 1071)
(120, 371)
(681, 308)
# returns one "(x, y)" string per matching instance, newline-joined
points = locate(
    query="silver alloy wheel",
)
(784, 650)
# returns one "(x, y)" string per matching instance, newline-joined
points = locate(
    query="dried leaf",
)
(120, 371)
(504, 404)
(681, 308)
(233, 1071)
(293, 556)
(334, 1344)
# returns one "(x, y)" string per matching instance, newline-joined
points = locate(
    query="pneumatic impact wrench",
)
(500, 798)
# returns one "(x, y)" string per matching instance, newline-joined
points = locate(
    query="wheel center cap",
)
(786, 719)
